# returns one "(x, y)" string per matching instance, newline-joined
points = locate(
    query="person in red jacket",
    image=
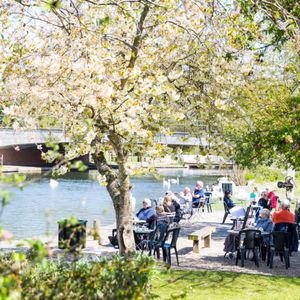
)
(272, 197)
(284, 215)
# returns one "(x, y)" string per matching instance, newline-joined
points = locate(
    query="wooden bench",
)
(202, 234)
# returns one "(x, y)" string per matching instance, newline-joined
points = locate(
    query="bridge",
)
(19, 147)
(9, 137)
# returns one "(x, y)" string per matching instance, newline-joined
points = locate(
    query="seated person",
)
(198, 195)
(284, 215)
(264, 221)
(178, 211)
(161, 215)
(147, 212)
(264, 201)
(227, 199)
(168, 204)
(272, 197)
(185, 197)
(172, 195)
(169, 207)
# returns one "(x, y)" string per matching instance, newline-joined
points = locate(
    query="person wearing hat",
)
(147, 213)
(284, 215)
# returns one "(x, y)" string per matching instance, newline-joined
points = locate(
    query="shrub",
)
(117, 278)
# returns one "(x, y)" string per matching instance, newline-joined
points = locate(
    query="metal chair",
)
(197, 208)
(249, 240)
(208, 204)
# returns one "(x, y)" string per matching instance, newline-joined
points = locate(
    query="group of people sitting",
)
(267, 199)
(169, 211)
(266, 202)
(174, 205)
(267, 222)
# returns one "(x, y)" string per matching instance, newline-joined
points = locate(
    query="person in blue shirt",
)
(264, 222)
(227, 199)
(198, 195)
(147, 213)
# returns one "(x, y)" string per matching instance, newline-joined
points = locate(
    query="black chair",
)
(172, 236)
(292, 229)
(246, 217)
(226, 212)
(249, 240)
(280, 245)
(156, 239)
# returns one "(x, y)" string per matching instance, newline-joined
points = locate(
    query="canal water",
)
(35, 210)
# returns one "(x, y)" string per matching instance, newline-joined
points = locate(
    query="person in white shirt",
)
(185, 197)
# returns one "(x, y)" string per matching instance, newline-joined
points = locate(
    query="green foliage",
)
(117, 278)
(280, 19)
(265, 174)
(10, 278)
(53, 4)
(78, 165)
(271, 136)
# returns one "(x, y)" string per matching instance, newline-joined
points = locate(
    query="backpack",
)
(114, 238)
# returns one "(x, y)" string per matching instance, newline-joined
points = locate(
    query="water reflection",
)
(36, 210)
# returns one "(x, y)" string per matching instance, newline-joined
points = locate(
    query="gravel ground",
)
(209, 258)
(213, 258)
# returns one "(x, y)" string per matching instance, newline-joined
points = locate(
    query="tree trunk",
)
(118, 187)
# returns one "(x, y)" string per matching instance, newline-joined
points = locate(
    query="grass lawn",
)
(186, 284)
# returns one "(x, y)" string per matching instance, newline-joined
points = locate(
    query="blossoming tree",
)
(113, 74)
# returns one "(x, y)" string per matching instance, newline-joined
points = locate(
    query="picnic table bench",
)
(201, 234)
